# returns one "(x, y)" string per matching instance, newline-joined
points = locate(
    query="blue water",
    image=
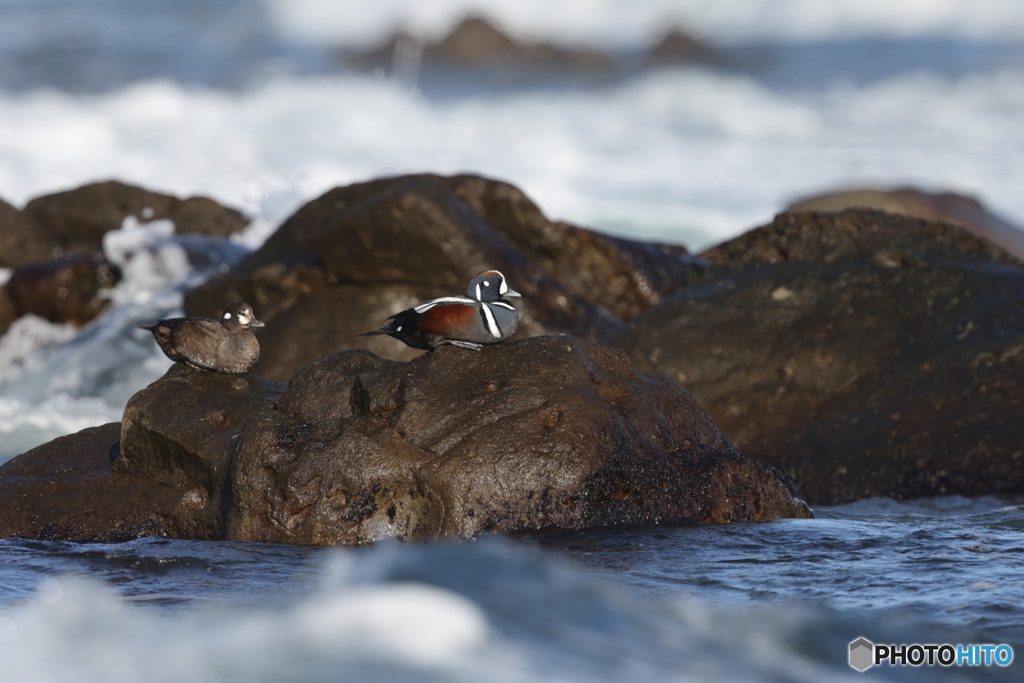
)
(758, 602)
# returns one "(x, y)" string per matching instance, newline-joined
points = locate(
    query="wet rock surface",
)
(55, 245)
(550, 432)
(545, 433)
(193, 443)
(863, 353)
(22, 241)
(67, 490)
(346, 261)
(944, 207)
(63, 290)
(79, 218)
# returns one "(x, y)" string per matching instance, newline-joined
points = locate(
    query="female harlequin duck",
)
(224, 345)
(481, 317)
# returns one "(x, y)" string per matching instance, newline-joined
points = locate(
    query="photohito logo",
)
(865, 654)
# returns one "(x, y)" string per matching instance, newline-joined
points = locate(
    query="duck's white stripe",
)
(427, 305)
(503, 304)
(478, 297)
(492, 324)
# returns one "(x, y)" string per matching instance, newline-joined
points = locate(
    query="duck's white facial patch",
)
(478, 292)
(502, 287)
(398, 329)
(487, 284)
(227, 316)
(244, 318)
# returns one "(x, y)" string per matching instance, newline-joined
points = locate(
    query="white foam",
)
(148, 256)
(78, 629)
(417, 623)
(689, 156)
(30, 336)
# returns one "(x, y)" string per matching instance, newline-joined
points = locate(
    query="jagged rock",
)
(549, 432)
(349, 259)
(22, 241)
(66, 490)
(863, 353)
(944, 207)
(64, 290)
(79, 218)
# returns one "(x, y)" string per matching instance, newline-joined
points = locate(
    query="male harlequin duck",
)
(481, 317)
(224, 345)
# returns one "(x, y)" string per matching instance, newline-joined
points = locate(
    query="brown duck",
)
(224, 345)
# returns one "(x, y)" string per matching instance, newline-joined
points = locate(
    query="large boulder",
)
(192, 444)
(79, 218)
(67, 490)
(346, 261)
(23, 241)
(944, 207)
(542, 433)
(63, 290)
(863, 353)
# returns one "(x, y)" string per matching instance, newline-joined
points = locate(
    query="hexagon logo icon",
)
(862, 654)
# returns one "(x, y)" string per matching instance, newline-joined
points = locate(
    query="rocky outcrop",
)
(347, 260)
(67, 490)
(79, 218)
(54, 246)
(549, 432)
(193, 444)
(944, 207)
(478, 51)
(543, 433)
(63, 290)
(22, 241)
(863, 353)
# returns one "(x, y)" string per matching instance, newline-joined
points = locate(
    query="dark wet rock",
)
(544, 433)
(863, 353)
(346, 261)
(192, 444)
(64, 290)
(79, 218)
(66, 490)
(549, 432)
(944, 207)
(22, 240)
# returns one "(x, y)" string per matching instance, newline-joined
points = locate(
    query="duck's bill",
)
(255, 323)
(511, 292)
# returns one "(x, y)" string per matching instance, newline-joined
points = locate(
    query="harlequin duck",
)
(481, 317)
(224, 345)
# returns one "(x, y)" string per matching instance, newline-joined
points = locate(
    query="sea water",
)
(776, 601)
(244, 101)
